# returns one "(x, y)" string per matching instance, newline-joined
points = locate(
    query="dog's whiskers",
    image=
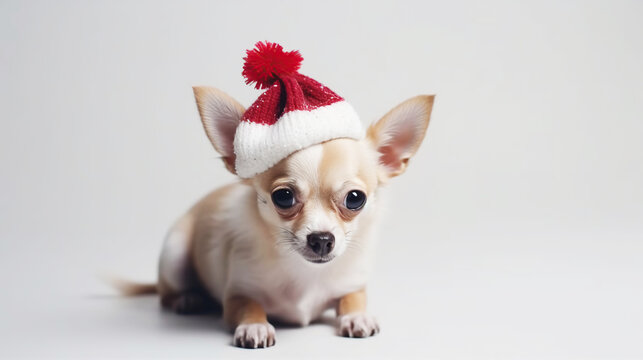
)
(351, 244)
(287, 240)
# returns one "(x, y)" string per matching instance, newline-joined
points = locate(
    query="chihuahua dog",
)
(290, 242)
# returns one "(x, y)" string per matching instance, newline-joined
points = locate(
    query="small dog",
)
(295, 239)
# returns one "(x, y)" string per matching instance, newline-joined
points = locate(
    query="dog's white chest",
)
(299, 295)
(302, 300)
(299, 305)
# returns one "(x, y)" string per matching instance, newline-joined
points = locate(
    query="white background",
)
(517, 232)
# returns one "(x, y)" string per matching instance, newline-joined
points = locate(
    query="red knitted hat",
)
(293, 113)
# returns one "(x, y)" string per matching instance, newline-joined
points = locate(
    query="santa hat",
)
(293, 113)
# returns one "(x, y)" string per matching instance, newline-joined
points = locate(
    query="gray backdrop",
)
(516, 233)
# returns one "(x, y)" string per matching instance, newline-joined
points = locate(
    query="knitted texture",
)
(302, 93)
(293, 113)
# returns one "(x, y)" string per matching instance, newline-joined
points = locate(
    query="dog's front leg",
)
(249, 321)
(352, 317)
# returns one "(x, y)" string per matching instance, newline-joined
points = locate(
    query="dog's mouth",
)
(320, 260)
(316, 259)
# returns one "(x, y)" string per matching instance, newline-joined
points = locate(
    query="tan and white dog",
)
(293, 241)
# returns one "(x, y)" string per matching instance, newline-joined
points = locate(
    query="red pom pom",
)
(267, 62)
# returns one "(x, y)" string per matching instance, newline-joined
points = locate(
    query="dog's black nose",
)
(322, 243)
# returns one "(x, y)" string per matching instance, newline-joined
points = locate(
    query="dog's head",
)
(316, 199)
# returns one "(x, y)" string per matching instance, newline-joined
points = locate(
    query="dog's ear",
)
(220, 115)
(398, 135)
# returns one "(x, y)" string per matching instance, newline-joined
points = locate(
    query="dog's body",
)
(295, 240)
(233, 251)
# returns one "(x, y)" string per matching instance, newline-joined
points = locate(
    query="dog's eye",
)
(355, 200)
(283, 198)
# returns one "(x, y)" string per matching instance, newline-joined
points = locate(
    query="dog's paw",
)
(253, 336)
(358, 325)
